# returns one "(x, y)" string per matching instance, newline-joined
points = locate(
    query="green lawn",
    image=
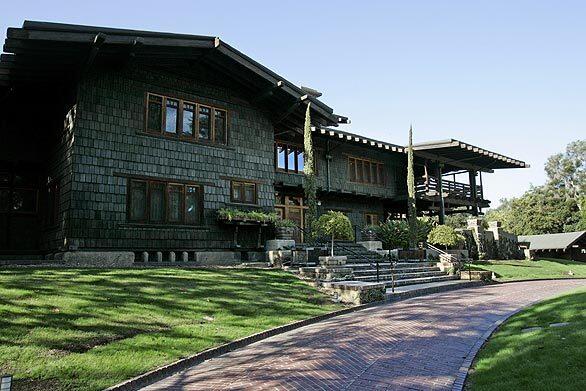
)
(525, 270)
(547, 359)
(86, 329)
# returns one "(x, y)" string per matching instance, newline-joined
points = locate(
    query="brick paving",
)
(422, 343)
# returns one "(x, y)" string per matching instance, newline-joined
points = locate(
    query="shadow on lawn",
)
(92, 307)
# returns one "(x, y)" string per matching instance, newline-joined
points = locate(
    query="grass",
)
(547, 359)
(87, 329)
(540, 269)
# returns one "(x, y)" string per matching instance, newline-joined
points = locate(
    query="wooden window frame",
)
(179, 135)
(242, 199)
(361, 166)
(298, 149)
(167, 184)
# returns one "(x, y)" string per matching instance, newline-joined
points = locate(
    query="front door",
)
(292, 207)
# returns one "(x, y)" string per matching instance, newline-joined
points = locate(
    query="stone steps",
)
(387, 266)
(417, 280)
(386, 275)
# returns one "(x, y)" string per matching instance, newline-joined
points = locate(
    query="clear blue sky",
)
(509, 76)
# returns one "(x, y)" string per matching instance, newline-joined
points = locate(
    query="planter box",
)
(477, 275)
(414, 253)
(357, 292)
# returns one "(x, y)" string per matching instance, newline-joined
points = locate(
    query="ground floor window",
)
(159, 202)
(243, 192)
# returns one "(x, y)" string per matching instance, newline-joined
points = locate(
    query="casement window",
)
(243, 192)
(186, 120)
(365, 171)
(371, 219)
(18, 194)
(289, 157)
(160, 202)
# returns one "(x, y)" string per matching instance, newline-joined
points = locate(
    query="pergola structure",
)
(437, 159)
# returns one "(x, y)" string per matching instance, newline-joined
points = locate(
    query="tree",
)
(444, 235)
(541, 210)
(557, 206)
(335, 225)
(568, 170)
(412, 208)
(309, 170)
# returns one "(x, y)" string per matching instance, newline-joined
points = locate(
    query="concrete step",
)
(402, 274)
(421, 280)
(387, 265)
(414, 290)
(399, 276)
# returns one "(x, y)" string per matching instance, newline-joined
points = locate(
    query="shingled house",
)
(123, 140)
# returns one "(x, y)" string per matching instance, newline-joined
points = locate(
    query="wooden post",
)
(442, 211)
(473, 191)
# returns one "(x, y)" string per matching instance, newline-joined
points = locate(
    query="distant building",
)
(568, 245)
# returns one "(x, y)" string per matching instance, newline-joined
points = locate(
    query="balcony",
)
(454, 192)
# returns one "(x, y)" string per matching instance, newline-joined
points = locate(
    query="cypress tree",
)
(412, 210)
(309, 170)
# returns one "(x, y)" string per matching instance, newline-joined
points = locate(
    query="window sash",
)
(289, 158)
(164, 202)
(365, 171)
(244, 192)
(185, 113)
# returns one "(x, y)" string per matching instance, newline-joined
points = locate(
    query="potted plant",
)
(334, 225)
(284, 229)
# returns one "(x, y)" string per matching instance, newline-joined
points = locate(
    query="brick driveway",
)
(416, 344)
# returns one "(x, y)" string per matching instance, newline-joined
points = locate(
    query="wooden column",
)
(442, 211)
(473, 191)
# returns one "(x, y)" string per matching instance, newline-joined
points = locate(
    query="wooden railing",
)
(451, 189)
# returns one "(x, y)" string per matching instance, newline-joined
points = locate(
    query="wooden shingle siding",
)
(111, 144)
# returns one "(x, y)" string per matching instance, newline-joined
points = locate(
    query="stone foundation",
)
(96, 258)
(217, 258)
(356, 292)
(477, 275)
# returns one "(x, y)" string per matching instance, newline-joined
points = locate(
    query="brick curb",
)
(160, 373)
(464, 369)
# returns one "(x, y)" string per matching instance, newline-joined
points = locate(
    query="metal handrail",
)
(347, 249)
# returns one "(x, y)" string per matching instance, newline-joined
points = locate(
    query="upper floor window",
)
(365, 171)
(159, 202)
(243, 192)
(187, 120)
(289, 157)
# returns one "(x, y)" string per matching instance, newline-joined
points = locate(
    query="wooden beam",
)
(291, 109)
(266, 93)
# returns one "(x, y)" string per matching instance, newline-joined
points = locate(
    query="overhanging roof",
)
(457, 154)
(42, 52)
(357, 139)
(559, 241)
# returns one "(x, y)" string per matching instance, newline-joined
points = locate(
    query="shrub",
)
(444, 235)
(335, 225)
(286, 223)
(394, 234)
(230, 214)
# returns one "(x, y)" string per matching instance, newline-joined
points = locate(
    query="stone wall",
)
(490, 243)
